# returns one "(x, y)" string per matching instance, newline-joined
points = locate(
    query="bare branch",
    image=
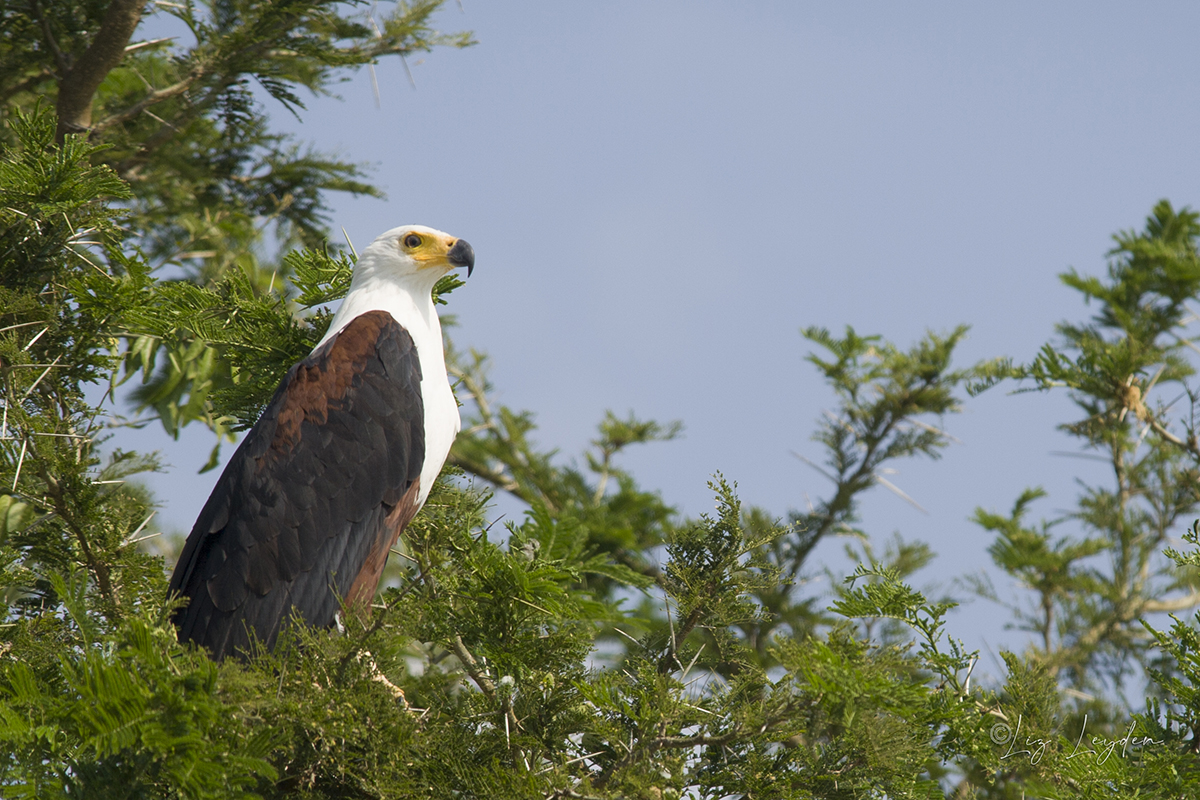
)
(78, 85)
(1170, 606)
(32, 82)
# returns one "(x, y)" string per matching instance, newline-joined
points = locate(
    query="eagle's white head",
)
(414, 252)
(396, 273)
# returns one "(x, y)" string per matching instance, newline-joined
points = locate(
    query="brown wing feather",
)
(315, 496)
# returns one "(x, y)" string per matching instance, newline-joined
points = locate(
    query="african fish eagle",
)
(303, 517)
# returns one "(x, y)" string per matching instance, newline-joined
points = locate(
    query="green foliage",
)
(619, 517)
(1094, 584)
(837, 716)
(95, 692)
(1087, 613)
(1151, 276)
(50, 203)
(599, 647)
(1173, 718)
(66, 509)
(1055, 569)
(129, 714)
(229, 346)
(889, 407)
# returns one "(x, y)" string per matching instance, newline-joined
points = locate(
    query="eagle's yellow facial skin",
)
(428, 250)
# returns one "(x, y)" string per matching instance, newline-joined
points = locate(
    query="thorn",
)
(20, 462)
(408, 71)
(371, 67)
(900, 493)
(34, 339)
(932, 429)
(46, 371)
(145, 522)
(129, 48)
(626, 635)
(374, 84)
(19, 325)
(692, 663)
(350, 243)
(403, 555)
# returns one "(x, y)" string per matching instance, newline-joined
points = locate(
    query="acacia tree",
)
(1127, 371)
(472, 676)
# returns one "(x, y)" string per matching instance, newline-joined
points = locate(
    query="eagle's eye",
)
(412, 240)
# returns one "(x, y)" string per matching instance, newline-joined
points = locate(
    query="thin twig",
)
(568, 763)
(481, 678)
(153, 98)
(813, 465)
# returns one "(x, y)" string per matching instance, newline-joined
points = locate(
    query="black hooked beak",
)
(462, 255)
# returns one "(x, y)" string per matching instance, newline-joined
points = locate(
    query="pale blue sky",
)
(660, 195)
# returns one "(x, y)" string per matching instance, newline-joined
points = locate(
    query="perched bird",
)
(343, 457)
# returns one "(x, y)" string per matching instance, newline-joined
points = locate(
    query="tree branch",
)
(1188, 446)
(696, 741)
(156, 96)
(25, 85)
(1176, 604)
(77, 87)
(669, 660)
(60, 58)
(487, 686)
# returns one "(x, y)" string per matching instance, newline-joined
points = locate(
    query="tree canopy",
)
(603, 646)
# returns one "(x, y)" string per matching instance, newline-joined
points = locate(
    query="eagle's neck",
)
(410, 302)
(409, 299)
